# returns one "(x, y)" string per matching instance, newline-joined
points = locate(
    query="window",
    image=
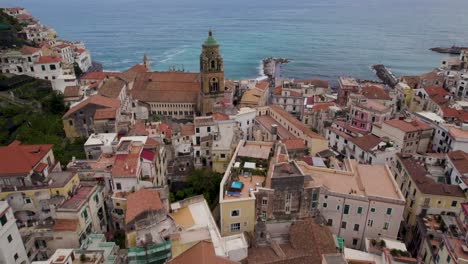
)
(70, 122)
(359, 210)
(84, 214)
(449, 259)
(389, 211)
(356, 227)
(343, 225)
(346, 209)
(385, 226)
(96, 198)
(264, 201)
(235, 227)
(223, 156)
(370, 222)
(9, 238)
(53, 67)
(454, 203)
(16, 256)
(372, 210)
(197, 130)
(208, 129)
(329, 222)
(43, 67)
(3, 220)
(235, 213)
(324, 205)
(27, 200)
(355, 241)
(118, 186)
(337, 207)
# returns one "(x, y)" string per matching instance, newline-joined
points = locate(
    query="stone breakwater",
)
(272, 67)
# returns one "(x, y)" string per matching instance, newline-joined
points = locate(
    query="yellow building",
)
(236, 195)
(423, 194)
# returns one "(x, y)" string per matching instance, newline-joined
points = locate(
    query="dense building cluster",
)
(311, 173)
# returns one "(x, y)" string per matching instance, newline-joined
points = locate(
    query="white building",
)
(358, 201)
(203, 227)
(246, 118)
(30, 61)
(456, 168)
(368, 149)
(11, 245)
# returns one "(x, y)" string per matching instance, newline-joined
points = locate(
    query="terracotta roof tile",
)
(187, 130)
(437, 94)
(105, 113)
(203, 252)
(141, 201)
(366, 142)
(322, 106)
(171, 87)
(28, 50)
(314, 82)
(98, 75)
(112, 87)
(375, 92)
(17, 159)
(426, 184)
(40, 167)
(48, 59)
(163, 127)
(137, 68)
(459, 159)
(138, 129)
(151, 143)
(262, 85)
(298, 124)
(65, 225)
(411, 126)
(220, 116)
(96, 100)
(126, 165)
(294, 144)
(71, 91)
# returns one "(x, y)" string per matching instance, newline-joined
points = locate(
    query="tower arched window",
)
(214, 85)
(213, 65)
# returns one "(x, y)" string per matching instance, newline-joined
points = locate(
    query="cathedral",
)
(183, 95)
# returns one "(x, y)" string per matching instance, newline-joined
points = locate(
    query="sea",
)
(321, 38)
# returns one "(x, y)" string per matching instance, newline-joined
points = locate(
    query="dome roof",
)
(210, 41)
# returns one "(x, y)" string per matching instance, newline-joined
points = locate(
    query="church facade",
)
(183, 95)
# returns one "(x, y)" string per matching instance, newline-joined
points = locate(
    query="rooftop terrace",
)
(354, 178)
(76, 201)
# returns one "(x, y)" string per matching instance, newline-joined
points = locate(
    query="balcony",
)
(117, 215)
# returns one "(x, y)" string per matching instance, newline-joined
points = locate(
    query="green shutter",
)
(346, 209)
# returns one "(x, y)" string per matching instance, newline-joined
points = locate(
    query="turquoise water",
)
(323, 38)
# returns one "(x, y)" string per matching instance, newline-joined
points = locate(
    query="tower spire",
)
(146, 63)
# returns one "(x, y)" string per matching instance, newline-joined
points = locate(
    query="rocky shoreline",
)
(272, 66)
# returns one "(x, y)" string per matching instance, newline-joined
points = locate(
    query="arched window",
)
(213, 64)
(214, 85)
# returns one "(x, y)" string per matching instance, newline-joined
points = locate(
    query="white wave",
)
(170, 54)
(261, 73)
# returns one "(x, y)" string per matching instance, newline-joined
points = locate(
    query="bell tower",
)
(146, 63)
(212, 75)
